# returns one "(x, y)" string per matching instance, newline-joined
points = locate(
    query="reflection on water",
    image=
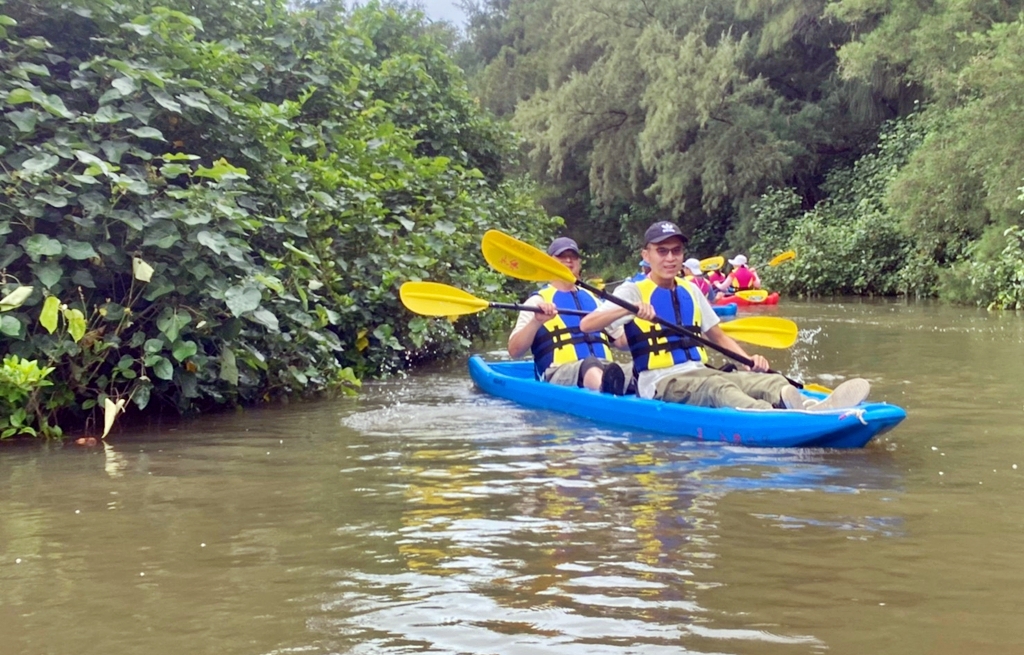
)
(534, 534)
(425, 517)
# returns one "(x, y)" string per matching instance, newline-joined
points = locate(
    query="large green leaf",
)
(266, 318)
(228, 367)
(52, 199)
(212, 240)
(40, 163)
(79, 249)
(171, 321)
(19, 96)
(163, 368)
(147, 133)
(163, 235)
(24, 120)
(76, 323)
(10, 326)
(165, 100)
(182, 350)
(125, 85)
(39, 245)
(107, 114)
(242, 299)
(15, 299)
(141, 394)
(48, 317)
(49, 273)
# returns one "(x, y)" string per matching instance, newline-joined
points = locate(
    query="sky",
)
(443, 10)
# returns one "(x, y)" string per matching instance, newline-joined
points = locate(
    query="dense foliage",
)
(851, 241)
(216, 204)
(726, 116)
(677, 109)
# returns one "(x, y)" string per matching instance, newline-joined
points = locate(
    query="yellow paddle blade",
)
(436, 299)
(753, 295)
(767, 331)
(712, 263)
(596, 282)
(520, 260)
(784, 257)
(817, 388)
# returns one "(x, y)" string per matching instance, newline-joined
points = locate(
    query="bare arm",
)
(521, 339)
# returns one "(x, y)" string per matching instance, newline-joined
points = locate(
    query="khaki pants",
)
(711, 388)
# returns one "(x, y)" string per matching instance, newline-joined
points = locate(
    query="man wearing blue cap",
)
(562, 353)
(645, 268)
(673, 368)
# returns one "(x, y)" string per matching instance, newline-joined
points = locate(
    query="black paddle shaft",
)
(679, 330)
(535, 310)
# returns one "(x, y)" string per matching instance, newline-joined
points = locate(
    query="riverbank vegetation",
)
(213, 204)
(878, 140)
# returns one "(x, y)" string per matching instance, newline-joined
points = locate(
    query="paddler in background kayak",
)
(672, 368)
(562, 353)
(740, 278)
(715, 278)
(645, 268)
(695, 276)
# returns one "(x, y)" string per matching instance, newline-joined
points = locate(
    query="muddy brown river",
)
(425, 517)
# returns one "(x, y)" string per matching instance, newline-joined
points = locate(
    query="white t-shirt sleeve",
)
(525, 317)
(626, 291)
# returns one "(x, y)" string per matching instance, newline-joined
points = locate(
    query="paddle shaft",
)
(535, 310)
(679, 330)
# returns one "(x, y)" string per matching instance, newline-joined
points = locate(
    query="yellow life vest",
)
(653, 347)
(560, 340)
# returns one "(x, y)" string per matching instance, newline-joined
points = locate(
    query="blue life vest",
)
(560, 340)
(651, 346)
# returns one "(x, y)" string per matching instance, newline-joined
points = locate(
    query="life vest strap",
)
(673, 342)
(556, 341)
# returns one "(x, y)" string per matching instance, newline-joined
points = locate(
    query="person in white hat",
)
(740, 278)
(694, 275)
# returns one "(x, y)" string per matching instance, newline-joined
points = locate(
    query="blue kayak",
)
(726, 310)
(846, 428)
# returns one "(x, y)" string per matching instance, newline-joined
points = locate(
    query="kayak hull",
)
(722, 301)
(725, 310)
(762, 429)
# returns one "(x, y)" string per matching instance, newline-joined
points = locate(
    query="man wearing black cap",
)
(673, 368)
(562, 353)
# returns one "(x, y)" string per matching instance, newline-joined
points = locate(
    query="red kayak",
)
(771, 299)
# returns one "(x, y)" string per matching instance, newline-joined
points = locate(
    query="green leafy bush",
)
(850, 243)
(20, 382)
(994, 281)
(220, 209)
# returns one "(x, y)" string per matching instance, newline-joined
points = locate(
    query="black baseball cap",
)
(663, 230)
